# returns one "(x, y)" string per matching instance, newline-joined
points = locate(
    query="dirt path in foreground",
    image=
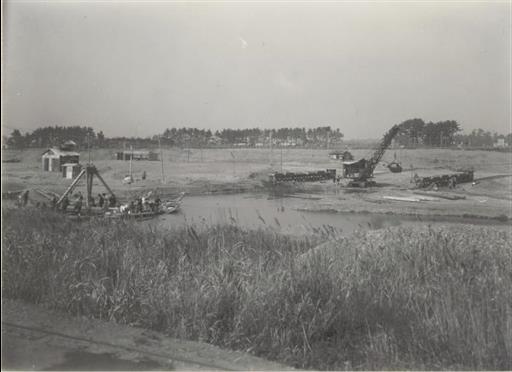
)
(34, 338)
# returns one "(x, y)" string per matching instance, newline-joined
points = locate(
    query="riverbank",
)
(245, 171)
(395, 298)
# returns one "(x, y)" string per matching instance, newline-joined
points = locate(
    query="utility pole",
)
(89, 146)
(161, 159)
(271, 151)
(281, 159)
(234, 163)
(131, 159)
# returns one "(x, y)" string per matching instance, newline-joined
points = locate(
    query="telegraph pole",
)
(271, 151)
(234, 163)
(89, 146)
(131, 159)
(161, 159)
(281, 158)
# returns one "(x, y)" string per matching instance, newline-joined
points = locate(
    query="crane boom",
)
(362, 170)
(379, 152)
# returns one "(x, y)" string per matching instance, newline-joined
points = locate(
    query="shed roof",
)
(58, 152)
(71, 165)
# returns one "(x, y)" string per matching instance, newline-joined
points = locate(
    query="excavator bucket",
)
(395, 167)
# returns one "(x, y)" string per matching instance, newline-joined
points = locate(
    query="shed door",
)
(46, 164)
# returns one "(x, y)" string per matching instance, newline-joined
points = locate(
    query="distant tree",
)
(16, 139)
(447, 130)
(431, 134)
(413, 129)
(101, 138)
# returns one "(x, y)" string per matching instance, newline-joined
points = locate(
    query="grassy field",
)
(423, 298)
(183, 168)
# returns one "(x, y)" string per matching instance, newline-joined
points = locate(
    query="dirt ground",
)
(217, 171)
(34, 338)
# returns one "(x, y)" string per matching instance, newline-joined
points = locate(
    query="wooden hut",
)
(341, 155)
(53, 159)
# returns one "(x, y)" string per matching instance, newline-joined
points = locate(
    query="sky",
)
(136, 68)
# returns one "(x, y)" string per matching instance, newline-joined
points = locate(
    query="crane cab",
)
(354, 168)
(357, 171)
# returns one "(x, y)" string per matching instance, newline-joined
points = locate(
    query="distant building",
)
(137, 155)
(53, 159)
(341, 155)
(500, 142)
(215, 140)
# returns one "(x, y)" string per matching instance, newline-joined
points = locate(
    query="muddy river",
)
(287, 215)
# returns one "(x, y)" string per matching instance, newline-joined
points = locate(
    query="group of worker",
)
(141, 205)
(65, 202)
(103, 202)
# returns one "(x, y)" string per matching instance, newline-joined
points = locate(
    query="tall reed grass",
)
(400, 298)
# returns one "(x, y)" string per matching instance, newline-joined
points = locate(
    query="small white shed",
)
(71, 170)
(53, 158)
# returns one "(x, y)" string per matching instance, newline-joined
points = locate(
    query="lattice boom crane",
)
(361, 171)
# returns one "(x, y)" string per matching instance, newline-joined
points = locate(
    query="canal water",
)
(286, 215)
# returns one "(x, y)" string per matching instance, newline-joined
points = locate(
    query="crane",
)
(361, 171)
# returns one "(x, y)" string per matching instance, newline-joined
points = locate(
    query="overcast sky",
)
(137, 68)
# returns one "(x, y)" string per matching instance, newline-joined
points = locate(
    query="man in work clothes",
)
(54, 202)
(65, 203)
(78, 204)
(112, 201)
(23, 199)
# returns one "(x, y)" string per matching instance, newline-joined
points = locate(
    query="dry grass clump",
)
(399, 298)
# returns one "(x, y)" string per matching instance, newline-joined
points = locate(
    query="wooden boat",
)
(166, 207)
(144, 215)
(172, 206)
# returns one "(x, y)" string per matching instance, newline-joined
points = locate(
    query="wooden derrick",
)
(89, 172)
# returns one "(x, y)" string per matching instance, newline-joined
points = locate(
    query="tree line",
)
(413, 133)
(194, 137)
(54, 136)
(416, 132)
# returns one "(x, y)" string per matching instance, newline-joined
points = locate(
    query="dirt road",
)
(34, 338)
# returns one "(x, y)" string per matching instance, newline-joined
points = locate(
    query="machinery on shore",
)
(318, 176)
(360, 171)
(450, 180)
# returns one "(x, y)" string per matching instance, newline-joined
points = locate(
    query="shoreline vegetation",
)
(396, 298)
